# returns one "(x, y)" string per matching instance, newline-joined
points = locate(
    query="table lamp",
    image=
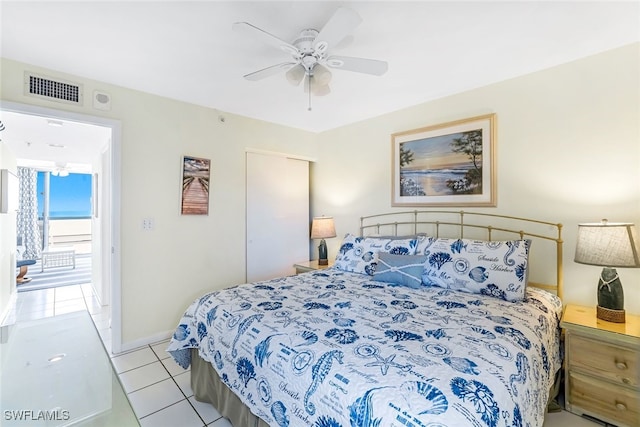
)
(608, 245)
(322, 228)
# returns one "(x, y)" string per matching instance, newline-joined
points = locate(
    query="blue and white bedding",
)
(333, 348)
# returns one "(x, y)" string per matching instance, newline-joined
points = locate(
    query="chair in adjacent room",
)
(22, 264)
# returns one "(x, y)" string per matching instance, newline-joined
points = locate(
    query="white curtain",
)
(27, 218)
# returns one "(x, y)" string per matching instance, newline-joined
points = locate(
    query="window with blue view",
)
(69, 196)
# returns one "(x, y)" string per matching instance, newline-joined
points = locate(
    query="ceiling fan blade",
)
(339, 26)
(269, 71)
(265, 37)
(359, 65)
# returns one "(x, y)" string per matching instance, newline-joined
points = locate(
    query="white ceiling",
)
(188, 51)
(45, 143)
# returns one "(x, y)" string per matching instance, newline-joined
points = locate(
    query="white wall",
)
(163, 270)
(7, 242)
(568, 151)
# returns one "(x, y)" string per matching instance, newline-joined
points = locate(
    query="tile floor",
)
(159, 390)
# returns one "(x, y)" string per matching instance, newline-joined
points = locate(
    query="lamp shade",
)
(323, 228)
(608, 244)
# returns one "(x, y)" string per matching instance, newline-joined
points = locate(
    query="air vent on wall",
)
(55, 90)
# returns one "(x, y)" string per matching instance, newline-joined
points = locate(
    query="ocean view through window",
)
(69, 196)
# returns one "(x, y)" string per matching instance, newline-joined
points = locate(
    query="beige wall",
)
(568, 151)
(163, 270)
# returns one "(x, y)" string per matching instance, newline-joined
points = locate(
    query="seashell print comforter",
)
(331, 348)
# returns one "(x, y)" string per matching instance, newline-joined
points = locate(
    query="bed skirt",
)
(207, 387)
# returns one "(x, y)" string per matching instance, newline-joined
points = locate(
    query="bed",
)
(427, 318)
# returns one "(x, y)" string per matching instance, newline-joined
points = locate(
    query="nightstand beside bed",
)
(306, 266)
(602, 366)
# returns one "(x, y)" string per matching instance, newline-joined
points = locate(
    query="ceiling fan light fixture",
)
(321, 75)
(314, 88)
(60, 170)
(295, 74)
(310, 53)
(320, 90)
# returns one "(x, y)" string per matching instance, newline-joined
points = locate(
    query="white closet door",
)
(277, 215)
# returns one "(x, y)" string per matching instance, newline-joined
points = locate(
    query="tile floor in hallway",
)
(159, 390)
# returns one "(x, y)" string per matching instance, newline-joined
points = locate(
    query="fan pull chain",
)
(309, 80)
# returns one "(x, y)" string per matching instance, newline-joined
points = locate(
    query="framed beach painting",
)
(195, 186)
(450, 164)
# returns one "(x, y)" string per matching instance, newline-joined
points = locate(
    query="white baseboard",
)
(134, 345)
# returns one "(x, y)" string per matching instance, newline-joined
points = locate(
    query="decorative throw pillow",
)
(403, 270)
(424, 243)
(497, 269)
(357, 254)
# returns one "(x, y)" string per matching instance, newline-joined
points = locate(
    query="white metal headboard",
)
(474, 225)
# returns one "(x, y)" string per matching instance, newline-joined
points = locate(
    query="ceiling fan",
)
(310, 60)
(60, 169)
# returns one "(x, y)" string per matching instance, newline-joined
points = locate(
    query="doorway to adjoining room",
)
(63, 236)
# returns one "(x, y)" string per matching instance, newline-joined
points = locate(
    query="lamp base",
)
(322, 253)
(610, 315)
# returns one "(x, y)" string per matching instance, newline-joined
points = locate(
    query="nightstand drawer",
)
(617, 364)
(617, 403)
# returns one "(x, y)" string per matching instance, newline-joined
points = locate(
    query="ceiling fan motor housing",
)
(309, 53)
(304, 42)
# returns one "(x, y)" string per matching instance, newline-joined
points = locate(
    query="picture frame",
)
(449, 164)
(196, 173)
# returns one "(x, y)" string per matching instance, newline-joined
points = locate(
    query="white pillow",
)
(494, 268)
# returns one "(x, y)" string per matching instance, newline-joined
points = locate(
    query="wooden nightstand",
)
(306, 266)
(602, 366)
